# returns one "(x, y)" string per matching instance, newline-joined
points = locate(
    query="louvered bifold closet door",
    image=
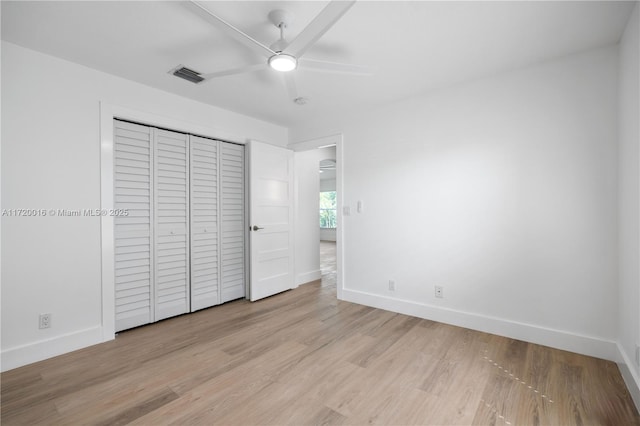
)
(171, 224)
(205, 279)
(133, 237)
(232, 221)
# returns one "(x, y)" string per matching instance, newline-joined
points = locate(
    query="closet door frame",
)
(109, 112)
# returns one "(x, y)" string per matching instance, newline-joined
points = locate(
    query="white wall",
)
(503, 191)
(629, 196)
(327, 234)
(307, 226)
(51, 147)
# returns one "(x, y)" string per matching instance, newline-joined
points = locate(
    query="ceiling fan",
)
(327, 165)
(282, 55)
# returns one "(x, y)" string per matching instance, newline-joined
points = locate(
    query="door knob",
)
(256, 227)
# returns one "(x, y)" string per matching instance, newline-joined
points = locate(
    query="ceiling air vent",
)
(187, 74)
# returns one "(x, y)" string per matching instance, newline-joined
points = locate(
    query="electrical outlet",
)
(45, 320)
(439, 292)
(392, 285)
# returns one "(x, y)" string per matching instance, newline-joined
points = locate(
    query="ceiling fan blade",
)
(290, 83)
(320, 25)
(233, 71)
(229, 29)
(334, 67)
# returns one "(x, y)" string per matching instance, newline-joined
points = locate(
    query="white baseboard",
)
(307, 277)
(43, 349)
(630, 376)
(559, 339)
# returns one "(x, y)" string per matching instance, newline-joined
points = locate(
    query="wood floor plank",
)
(34, 413)
(318, 363)
(225, 393)
(375, 394)
(141, 386)
(127, 415)
(305, 358)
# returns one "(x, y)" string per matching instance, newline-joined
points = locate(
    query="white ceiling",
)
(413, 46)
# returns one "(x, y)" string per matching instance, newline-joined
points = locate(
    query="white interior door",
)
(133, 191)
(270, 220)
(232, 222)
(205, 287)
(171, 224)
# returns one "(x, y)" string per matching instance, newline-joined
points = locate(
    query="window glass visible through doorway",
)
(328, 207)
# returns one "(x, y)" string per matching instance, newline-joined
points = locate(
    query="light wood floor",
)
(328, 263)
(302, 357)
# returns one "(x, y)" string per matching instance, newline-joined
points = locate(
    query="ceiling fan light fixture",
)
(283, 62)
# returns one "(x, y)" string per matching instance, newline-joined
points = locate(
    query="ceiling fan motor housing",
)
(281, 18)
(279, 45)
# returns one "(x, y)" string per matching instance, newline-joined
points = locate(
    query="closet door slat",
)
(171, 219)
(133, 233)
(232, 221)
(205, 274)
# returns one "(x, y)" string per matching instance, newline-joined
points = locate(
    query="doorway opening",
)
(319, 228)
(328, 218)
